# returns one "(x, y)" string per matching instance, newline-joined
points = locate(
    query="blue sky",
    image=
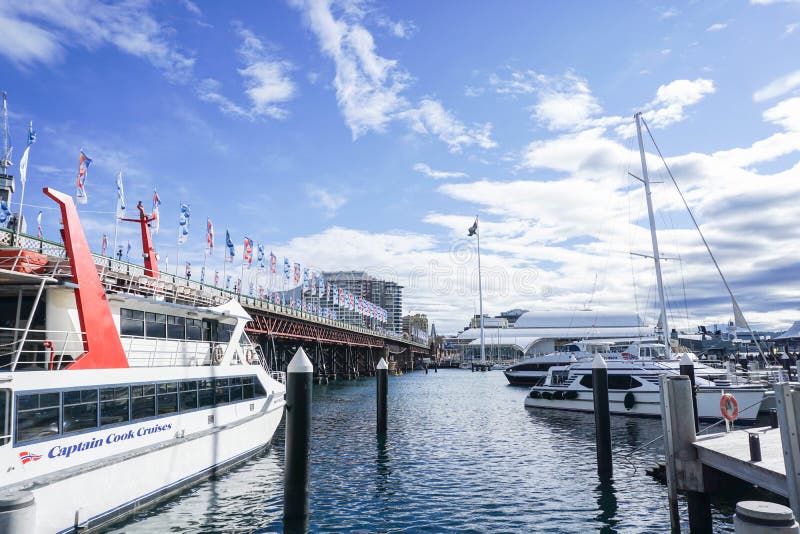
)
(367, 135)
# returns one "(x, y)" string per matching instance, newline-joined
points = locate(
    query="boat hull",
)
(648, 403)
(93, 495)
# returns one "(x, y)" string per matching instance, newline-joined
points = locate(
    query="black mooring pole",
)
(382, 376)
(299, 380)
(602, 418)
(687, 369)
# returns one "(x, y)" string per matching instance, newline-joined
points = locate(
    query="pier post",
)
(299, 379)
(684, 470)
(687, 369)
(382, 381)
(17, 512)
(602, 418)
(787, 399)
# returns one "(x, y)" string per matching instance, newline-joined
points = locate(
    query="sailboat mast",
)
(656, 257)
(5, 160)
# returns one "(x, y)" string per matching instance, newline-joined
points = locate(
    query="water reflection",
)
(607, 505)
(383, 468)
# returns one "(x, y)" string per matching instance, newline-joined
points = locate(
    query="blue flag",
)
(228, 243)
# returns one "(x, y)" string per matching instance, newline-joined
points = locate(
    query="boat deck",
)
(730, 453)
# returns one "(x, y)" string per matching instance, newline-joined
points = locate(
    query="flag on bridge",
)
(83, 168)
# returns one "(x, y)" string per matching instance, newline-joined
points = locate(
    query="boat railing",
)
(278, 376)
(32, 349)
(145, 351)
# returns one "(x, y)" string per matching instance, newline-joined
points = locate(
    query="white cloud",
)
(778, 87)
(404, 29)
(438, 175)
(669, 12)
(717, 27)
(266, 80)
(668, 107)
(369, 86)
(563, 102)
(431, 118)
(327, 201)
(790, 28)
(770, 2)
(50, 27)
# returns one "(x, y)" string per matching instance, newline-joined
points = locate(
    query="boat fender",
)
(569, 395)
(219, 353)
(558, 395)
(729, 407)
(535, 394)
(547, 395)
(629, 401)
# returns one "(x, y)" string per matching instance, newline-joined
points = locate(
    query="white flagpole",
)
(480, 292)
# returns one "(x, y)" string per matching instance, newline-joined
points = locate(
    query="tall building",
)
(387, 295)
(416, 325)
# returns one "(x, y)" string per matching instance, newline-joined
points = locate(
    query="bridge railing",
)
(126, 277)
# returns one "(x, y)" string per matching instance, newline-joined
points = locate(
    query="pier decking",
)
(730, 454)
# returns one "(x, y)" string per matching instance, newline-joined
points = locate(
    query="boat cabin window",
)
(45, 415)
(167, 398)
(37, 416)
(5, 413)
(79, 410)
(614, 382)
(559, 377)
(224, 332)
(131, 322)
(155, 325)
(176, 327)
(194, 329)
(143, 401)
(114, 405)
(210, 329)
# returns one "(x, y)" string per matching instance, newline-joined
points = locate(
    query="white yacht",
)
(534, 370)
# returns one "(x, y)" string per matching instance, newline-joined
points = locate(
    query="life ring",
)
(219, 353)
(728, 407)
(249, 356)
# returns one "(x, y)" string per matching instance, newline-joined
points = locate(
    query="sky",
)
(368, 135)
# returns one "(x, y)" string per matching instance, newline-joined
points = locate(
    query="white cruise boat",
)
(111, 401)
(533, 371)
(633, 389)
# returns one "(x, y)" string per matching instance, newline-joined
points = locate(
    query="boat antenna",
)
(738, 316)
(656, 257)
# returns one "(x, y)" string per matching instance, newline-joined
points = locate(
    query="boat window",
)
(248, 390)
(188, 396)
(79, 410)
(37, 416)
(5, 419)
(224, 332)
(209, 330)
(222, 391)
(176, 327)
(155, 325)
(131, 322)
(143, 401)
(114, 405)
(614, 382)
(193, 329)
(236, 389)
(167, 398)
(205, 393)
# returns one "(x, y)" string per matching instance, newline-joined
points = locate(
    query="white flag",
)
(23, 166)
(120, 197)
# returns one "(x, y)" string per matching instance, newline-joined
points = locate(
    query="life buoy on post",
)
(219, 353)
(729, 407)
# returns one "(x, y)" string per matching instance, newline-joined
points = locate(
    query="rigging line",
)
(708, 248)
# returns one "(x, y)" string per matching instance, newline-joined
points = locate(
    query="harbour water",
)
(462, 455)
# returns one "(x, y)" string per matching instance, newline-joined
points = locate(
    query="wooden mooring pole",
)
(299, 383)
(602, 418)
(684, 470)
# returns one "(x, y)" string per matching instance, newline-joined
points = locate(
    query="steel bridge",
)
(337, 349)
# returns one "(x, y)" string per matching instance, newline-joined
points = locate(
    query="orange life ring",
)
(728, 407)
